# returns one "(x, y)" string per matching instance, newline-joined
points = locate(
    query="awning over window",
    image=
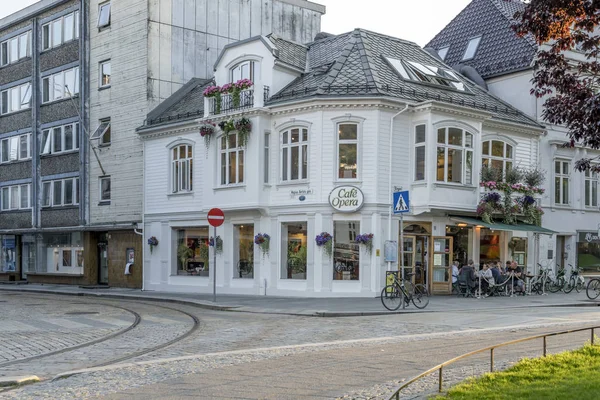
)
(503, 227)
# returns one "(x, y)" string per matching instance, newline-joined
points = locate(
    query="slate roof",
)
(352, 64)
(500, 51)
(187, 103)
(289, 52)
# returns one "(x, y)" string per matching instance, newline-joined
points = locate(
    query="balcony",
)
(230, 102)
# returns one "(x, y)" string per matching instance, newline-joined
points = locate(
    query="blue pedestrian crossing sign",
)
(401, 202)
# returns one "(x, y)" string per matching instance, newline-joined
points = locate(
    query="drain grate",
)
(81, 313)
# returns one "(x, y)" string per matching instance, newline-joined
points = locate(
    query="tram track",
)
(98, 348)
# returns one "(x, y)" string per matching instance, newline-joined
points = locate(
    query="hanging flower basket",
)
(207, 130)
(365, 239)
(219, 246)
(243, 126)
(325, 241)
(153, 241)
(263, 240)
(227, 126)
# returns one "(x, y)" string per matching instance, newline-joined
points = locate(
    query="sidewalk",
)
(322, 307)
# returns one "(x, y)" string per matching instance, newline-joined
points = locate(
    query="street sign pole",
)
(401, 204)
(215, 218)
(215, 265)
(402, 252)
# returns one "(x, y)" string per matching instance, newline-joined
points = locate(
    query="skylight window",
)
(415, 71)
(471, 48)
(443, 52)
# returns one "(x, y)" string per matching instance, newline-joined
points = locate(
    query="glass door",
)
(441, 265)
(103, 259)
(409, 256)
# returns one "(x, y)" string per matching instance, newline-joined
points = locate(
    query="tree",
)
(572, 87)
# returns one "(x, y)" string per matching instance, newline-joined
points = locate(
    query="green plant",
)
(203, 247)
(184, 253)
(490, 174)
(513, 176)
(534, 177)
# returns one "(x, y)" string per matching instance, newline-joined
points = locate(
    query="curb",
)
(17, 380)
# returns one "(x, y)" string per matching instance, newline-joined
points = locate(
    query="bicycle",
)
(404, 290)
(576, 280)
(561, 282)
(593, 289)
(543, 281)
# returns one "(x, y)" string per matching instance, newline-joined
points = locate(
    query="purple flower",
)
(323, 238)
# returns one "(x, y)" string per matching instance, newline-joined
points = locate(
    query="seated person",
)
(487, 277)
(516, 271)
(467, 272)
(496, 274)
(455, 271)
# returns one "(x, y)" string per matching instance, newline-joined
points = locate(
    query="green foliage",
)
(534, 177)
(513, 175)
(183, 253)
(568, 375)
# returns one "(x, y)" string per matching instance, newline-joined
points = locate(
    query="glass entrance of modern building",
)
(103, 259)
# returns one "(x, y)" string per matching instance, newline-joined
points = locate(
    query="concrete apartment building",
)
(139, 52)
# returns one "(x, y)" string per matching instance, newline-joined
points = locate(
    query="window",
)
(414, 71)
(102, 132)
(347, 151)
(244, 70)
(591, 189)
(346, 252)
(61, 85)
(61, 253)
(16, 98)
(471, 48)
(231, 160)
(294, 154)
(62, 192)
(294, 252)
(60, 139)
(443, 52)
(16, 197)
(15, 148)
(181, 168)
(193, 251)
(15, 49)
(61, 30)
(104, 74)
(104, 188)
(266, 161)
(104, 15)
(454, 156)
(497, 155)
(419, 152)
(561, 182)
(244, 253)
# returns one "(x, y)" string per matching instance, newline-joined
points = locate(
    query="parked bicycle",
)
(404, 290)
(593, 289)
(544, 281)
(576, 280)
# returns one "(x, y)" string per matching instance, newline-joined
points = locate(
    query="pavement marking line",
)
(313, 345)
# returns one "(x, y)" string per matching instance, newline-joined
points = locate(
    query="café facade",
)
(303, 158)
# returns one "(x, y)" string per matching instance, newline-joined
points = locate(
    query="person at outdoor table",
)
(516, 271)
(455, 271)
(496, 271)
(468, 271)
(487, 273)
(507, 268)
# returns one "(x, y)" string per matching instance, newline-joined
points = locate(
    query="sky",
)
(417, 21)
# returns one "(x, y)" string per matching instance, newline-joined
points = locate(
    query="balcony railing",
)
(230, 102)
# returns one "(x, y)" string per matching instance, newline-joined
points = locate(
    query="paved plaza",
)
(129, 344)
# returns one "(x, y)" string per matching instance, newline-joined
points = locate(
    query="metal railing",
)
(440, 367)
(230, 102)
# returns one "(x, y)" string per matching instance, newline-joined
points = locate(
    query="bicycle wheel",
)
(391, 297)
(570, 285)
(560, 283)
(420, 297)
(553, 286)
(580, 284)
(593, 289)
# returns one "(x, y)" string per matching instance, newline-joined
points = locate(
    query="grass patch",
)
(568, 375)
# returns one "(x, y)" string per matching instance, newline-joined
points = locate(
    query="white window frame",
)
(49, 84)
(71, 30)
(182, 168)
(355, 142)
(287, 169)
(9, 192)
(504, 158)
(48, 193)
(591, 183)
(101, 131)
(449, 147)
(104, 79)
(562, 177)
(267, 158)
(14, 145)
(472, 47)
(49, 145)
(104, 14)
(100, 194)
(235, 72)
(420, 145)
(240, 161)
(8, 55)
(9, 103)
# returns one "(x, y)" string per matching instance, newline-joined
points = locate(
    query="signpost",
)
(401, 204)
(215, 217)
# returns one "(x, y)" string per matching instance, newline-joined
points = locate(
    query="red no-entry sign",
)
(216, 217)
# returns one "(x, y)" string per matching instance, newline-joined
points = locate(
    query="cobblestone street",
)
(177, 350)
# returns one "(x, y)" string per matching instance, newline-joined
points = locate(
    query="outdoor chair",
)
(465, 286)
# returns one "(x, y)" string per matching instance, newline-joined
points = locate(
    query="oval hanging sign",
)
(346, 198)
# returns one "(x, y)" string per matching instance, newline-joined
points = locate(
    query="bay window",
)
(419, 152)
(181, 168)
(561, 182)
(454, 156)
(231, 160)
(591, 188)
(346, 252)
(347, 151)
(294, 154)
(497, 155)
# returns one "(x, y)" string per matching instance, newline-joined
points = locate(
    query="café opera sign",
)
(346, 198)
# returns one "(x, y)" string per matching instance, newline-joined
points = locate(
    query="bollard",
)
(491, 360)
(592, 336)
(544, 346)
(441, 380)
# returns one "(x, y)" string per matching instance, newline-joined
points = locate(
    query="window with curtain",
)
(181, 168)
(419, 152)
(231, 160)
(454, 156)
(294, 154)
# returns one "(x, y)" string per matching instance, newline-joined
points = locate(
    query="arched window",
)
(454, 156)
(243, 70)
(181, 168)
(294, 154)
(231, 159)
(497, 155)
